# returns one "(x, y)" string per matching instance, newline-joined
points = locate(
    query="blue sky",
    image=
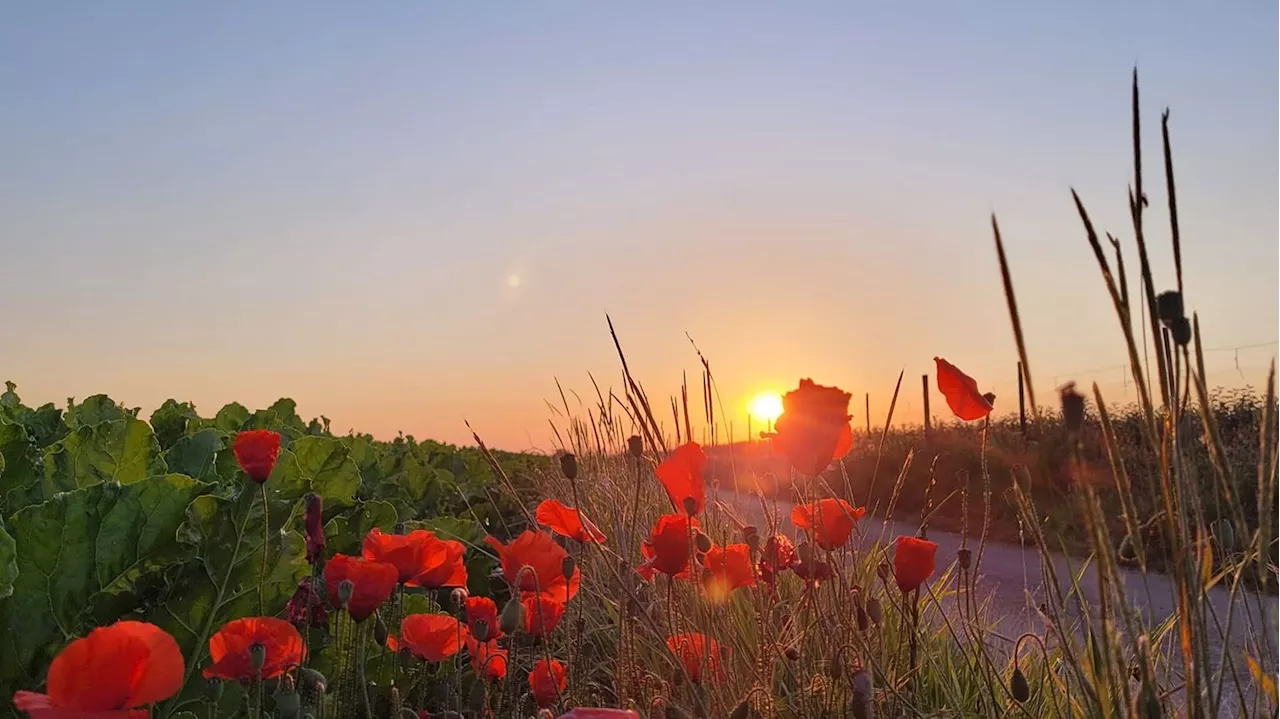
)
(238, 201)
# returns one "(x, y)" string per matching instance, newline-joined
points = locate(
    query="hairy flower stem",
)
(364, 683)
(266, 538)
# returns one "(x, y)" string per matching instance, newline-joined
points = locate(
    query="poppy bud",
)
(512, 618)
(380, 632)
(884, 571)
(569, 466)
(311, 681)
(751, 536)
(690, 506)
(874, 612)
(567, 568)
(287, 701)
(257, 656)
(1169, 307)
(1019, 687)
(1181, 331)
(1072, 407)
(966, 557)
(792, 653)
(459, 597)
(804, 552)
(635, 445)
(864, 621)
(1224, 534)
(480, 630)
(345, 589)
(861, 706)
(703, 542)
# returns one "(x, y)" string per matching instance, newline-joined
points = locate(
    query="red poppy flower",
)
(314, 525)
(371, 583)
(566, 522)
(541, 615)
(487, 660)
(405, 552)
(668, 548)
(813, 430)
(912, 562)
(482, 609)
(777, 556)
(110, 674)
(598, 713)
(699, 654)
(961, 392)
(256, 451)
(432, 637)
(728, 568)
(231, 649)
(442, 565)
(538, 551)
(828, 522)
(681, 475)
(306, 606)
(546, 681)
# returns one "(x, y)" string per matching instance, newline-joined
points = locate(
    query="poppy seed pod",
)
(288, 702)
(635, 445)
(480, 630)
(567, 568)
(1019, 687)
(965, 555)
(258, 655)
(864, 620)
(874, 611)
(380, 633)
(884, 571)
(751, 536)
(214, 685)
(512, 618)
(1072, 407)
(703, 542)
(569, 466)
(690, 506)
(1169, 306)
(399, 528)
(345, 589)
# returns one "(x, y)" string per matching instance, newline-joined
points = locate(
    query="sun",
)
(766, 406)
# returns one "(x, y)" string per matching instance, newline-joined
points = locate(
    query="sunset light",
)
(766, 406)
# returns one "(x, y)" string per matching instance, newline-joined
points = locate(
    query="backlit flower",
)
(961, 392)
(681, 475)
(828, 522)
(912, 562)
(544, 559)
(487, 660)
(231, 650)
(541, 615)
(547, 681)
(442, 565)
(728, 568)
(813, 429)
(777, 556)
(699, 654)
(482, 609)
(112, 673)
(371, 583)
(432, 637)
(668, 548)
(402, 551)
(306, 606)
(567, 521)
(256, 450)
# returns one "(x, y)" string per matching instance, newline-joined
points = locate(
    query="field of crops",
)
(107, 516)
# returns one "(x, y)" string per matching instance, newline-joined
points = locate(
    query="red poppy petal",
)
(961, 392)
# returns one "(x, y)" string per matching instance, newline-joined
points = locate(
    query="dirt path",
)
(1010, 578)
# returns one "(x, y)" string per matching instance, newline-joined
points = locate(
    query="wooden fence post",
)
(924, 383)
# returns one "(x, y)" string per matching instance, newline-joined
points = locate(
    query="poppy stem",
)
(364, 683)
(266, 538)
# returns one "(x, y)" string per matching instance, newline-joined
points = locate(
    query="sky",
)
(406, 214)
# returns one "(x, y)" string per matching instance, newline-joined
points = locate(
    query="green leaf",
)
(227, 534)
(89, 545)
(94, 410)
(344, 533)
(19, 469)
(123, 450)
(170, 421)
(196, 455)
(8, 563)
(320, 465)
(231, 418)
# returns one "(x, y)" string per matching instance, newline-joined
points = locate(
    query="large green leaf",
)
(19, 469)
(170, 420)
(94, 410)
(320, 465)
(344, 533)
(227, 535)
(196, 455)
(123, 450)
(231, 418)
(80, 547)
(45, 424)
(8, 562)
